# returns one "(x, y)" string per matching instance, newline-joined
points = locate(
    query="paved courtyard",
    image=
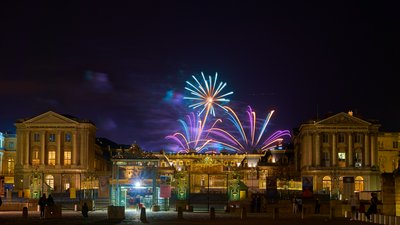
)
(170, 217)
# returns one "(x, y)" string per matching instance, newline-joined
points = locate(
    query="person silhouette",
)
(85, 210)
(42, 205)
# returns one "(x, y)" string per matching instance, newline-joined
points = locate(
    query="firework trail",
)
(250, 140)
(192, 138)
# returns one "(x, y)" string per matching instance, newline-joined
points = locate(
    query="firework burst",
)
(249, 139)
(207, 95)
(192, 138)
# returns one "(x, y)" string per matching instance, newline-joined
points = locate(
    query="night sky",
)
(124, 65)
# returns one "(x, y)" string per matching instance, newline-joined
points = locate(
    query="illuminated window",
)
(359, 184)
(10, 165)
(50, 181)
(342, 156)
(36, 137)
(35, 158)
(52, 158)
(68, 137)
(67, 186)
(67, 158)
(326, 183)
(52, 137)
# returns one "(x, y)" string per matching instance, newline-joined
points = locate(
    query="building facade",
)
(57, 154)
(339, 154)
(388, 151)
(187, 178)
(7, 162)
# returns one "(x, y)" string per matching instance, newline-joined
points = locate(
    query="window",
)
(395, 144)
(10, 145)
(325, 158)
(357, 138)
(67, 158)
(67, 186)
(358, 159)
(36, 137)
(35, 158)
(359, 183)
(326, 183)
(325, 138)
(342, 156)
(50, 181)
(52, 158)
(10, 165)
(52, 137)
(341, 138)
(68, 137)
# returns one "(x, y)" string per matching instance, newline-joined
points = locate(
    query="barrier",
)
(212, 213)
(143, 217)
(332, 213)
(303, 212)
(243, 213)
(180, 212)
(275, 213)
(25, 212)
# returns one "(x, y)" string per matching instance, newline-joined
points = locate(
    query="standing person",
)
(50, 201)
(373, 208)
(42, 205)
(85, 210)
(300, 204)
(317, 206)
(294, 205)
(355, 205)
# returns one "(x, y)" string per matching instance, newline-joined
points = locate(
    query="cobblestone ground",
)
(171, 218)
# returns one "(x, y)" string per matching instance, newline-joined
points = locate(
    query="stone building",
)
(8, 143)
(388, 151)
(58, 154)
(339, 154)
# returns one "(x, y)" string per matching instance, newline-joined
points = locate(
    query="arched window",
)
(49, 179)
(326, 184)
(359, 184)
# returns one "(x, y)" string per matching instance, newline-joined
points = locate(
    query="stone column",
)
(317, 149)
(42, 147)
(26, 153)
(58, 154)
(373, 150)
(74, 149)
(1, 162)
(334, 151)
(309, 149)
(20, 148)
(366, 150)
(350, 150)
(303, 151)
(83, 148)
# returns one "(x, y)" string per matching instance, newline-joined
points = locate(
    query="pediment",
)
(343, 118)
(50, 117)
